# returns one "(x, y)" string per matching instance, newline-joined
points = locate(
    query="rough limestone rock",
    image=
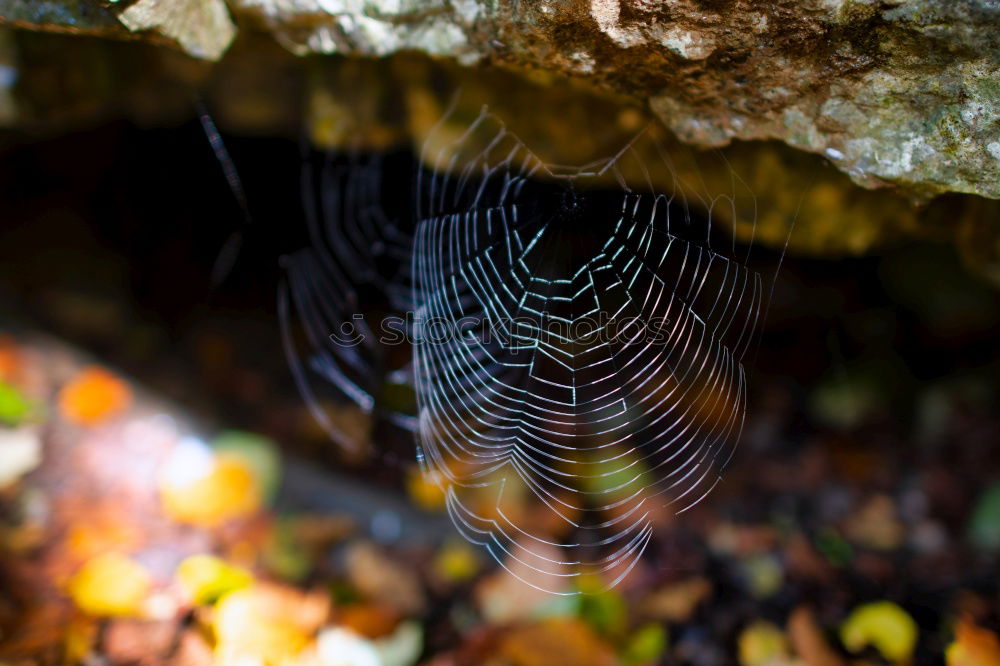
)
(902, 92)
(893, 92)
(202, 28)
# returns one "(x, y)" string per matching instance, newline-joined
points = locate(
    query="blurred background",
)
(167, 498)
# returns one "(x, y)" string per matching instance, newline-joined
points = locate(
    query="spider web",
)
(580, 346)
(577, 343)
(357, 263)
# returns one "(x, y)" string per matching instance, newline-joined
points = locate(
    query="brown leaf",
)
(876, 525)
(138, 641)
(381, 579)
(38, 630)
(555, 642)
(808, 641)
(676, 602)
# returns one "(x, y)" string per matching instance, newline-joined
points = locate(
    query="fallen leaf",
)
(205, 578)
(259, 453)
(876, 525)
(262, 623)
(198, 487)
(342, 647)
(192, 650)
(763, 574)
(369, 620)
(676, 602)
(10, 359)
(808, 641)
(130, 641)
(403, 646)
(425, 489)
(456, 562)
(94, 396)
(41, 626)
(882, 625)
(319, 531)
(308, 610)
(555, 642)
(20, 452)
(646, 646)
(762, 644)
(973, 646)
(79, 639)
(110, 585)
(382, 579)
(103, 529)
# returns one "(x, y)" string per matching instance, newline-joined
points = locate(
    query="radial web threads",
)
(580, 346)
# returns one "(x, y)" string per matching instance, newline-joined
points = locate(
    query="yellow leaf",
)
(205, 578)
(456, 562)
(883, 625)
(81, 634)
(198, 487)
(424, 489)
(110, 584)
(761, 644)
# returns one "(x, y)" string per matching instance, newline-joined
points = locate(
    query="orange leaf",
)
(10, 360)
(94, 396)
(369, 620)
(973, 646)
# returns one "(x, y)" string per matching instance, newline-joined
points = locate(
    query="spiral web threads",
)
(577, 348)
(581, 350)
(358, 257)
